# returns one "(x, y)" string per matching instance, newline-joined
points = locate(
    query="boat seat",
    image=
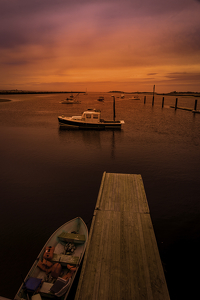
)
(72, 237)
(65, 259)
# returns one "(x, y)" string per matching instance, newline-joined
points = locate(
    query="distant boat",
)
(101, 98)
(122, 96)
(134, 98)
(71, 100)
(90, 119)
(55, 268)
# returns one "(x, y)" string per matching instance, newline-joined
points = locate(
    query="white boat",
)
(70, 101)
(90, 119)
(101, 98)
(122, 96)
(55, 268)
(134, 98)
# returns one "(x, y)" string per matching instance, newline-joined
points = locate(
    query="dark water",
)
(49, 176)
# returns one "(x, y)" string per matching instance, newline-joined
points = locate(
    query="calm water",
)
(49, 176)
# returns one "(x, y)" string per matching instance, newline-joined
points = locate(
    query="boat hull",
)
(77, 225)
(69, 123)
(134, 98)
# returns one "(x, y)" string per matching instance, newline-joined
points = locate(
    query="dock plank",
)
(122, 259)
(115, 257)
(158, 284)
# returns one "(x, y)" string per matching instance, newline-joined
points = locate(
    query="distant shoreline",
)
(191, 94)
(5, 100)
(14, 92)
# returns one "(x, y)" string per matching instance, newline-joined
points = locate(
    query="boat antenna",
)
(77, 95)
(113, 108)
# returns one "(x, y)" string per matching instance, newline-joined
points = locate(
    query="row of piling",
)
(194, 110)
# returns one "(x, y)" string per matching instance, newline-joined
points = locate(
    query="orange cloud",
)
(99, 44)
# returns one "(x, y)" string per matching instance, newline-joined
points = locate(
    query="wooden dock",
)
(122, 260)
(183, 108)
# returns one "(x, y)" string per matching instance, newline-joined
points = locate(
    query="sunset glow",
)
(100, 45)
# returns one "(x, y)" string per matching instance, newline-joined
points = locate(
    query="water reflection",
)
(89, 137)
(92, 139)
(113, 145)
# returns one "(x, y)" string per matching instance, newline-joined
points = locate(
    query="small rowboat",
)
(55, 268)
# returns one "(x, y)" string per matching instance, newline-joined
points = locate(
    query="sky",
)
(100, 45)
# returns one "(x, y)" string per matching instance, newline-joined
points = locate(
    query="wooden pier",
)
(122, 260)
(182, 108)
(194, 110)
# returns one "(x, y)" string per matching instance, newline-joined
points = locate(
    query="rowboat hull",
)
(57, 240)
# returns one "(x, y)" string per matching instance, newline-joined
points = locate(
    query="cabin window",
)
(88, 116)
(95, 116)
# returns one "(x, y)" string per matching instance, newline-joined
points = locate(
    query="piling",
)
(113, 108)
(153, 95)
(176, 103)
(186, 108)
(195, 105)
(144, 99)
(122, 260)
(163, 102)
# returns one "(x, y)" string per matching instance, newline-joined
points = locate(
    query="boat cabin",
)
(91, 116)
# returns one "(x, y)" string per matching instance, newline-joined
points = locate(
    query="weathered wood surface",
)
(122, 259)
(72, 237)
(65, 259)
